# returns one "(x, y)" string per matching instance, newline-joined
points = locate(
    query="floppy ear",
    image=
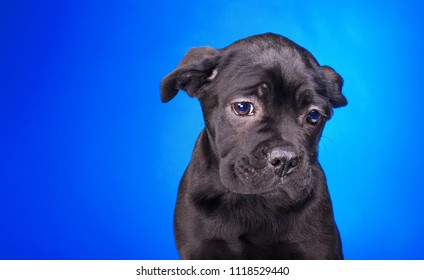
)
(196, 69)
(335, 95)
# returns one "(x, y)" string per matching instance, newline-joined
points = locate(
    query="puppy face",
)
(265, 101)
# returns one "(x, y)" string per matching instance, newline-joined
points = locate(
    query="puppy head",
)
(265, 101)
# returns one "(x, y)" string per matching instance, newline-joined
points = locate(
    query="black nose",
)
(283, 161)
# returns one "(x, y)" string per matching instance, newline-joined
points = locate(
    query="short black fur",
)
(254, 188)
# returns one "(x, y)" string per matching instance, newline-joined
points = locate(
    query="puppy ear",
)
(335, 95)
(197, 68)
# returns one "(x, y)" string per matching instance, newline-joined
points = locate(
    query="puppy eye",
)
(313, 117)
(243, 109)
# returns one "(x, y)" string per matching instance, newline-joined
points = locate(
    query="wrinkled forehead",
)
(281, 56)
(283, 69)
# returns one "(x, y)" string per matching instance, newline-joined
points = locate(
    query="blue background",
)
(90, 159)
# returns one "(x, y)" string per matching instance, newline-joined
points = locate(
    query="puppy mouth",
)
(245, 170)
(253, 177)
(258, 178)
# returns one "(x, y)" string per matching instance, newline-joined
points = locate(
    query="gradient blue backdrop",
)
(90, 160)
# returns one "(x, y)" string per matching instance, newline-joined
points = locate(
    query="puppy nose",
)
(283, 161)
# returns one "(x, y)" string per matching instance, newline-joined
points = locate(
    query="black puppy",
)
(254, 188)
